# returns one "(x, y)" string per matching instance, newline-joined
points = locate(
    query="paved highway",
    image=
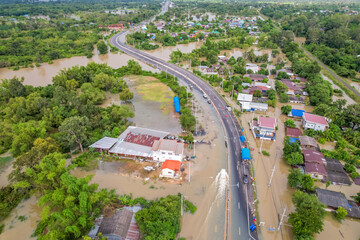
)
(239, 218)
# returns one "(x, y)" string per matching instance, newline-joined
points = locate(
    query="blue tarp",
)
(242, 138)
(292, 140)
(177, 104)
(297, 112)
(245, 154)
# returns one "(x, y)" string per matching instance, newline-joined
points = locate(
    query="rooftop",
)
(104, 143)
(313, 156)
(337, 177)
(307, 141)
(293, 132)
(267, 122)
(171, 164)
(315, 119)
(296, 113)
(332, 199)
(244, 97)
(354, 210)
(168, 145)
(318, 168)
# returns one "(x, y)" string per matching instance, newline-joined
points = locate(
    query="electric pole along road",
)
(239, 218)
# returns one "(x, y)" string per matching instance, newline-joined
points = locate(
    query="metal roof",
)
(332, 199)
(104, 143)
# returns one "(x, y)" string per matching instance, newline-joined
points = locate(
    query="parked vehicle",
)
(208, 101)
(245, 179)
(204, 96)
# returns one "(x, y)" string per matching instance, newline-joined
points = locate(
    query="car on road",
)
(245, 179)
(208, 101)
(228, 108)
(204, 96)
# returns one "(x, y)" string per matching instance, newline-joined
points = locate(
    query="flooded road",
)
(206, 188)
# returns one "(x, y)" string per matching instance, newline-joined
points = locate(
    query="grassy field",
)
(151, 89)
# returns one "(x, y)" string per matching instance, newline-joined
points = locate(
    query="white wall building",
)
(165, 149)
(245, 100)
(311, 121)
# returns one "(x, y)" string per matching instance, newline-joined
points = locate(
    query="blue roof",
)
(177, 104)
(245, 154)
(297, 112)
(242, 138)
(292, 140)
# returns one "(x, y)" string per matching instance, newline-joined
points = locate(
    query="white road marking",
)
(239, 231)
(238, 205)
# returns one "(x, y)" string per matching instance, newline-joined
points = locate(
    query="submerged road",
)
(239, 217)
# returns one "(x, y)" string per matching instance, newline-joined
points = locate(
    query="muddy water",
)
(205, 188)
(237, 52)
(348, 229)
(5, 171)
(42, 76)
(16, 229)
(164, 52)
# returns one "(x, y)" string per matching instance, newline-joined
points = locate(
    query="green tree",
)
(340, 214)
(309, 215)
(307, 183)
(290, 123)
(257, 93)
(102, 47)
(187, 120)
(283, 98)
(126, 95)
(134, 67)
(294, 158)
(286, 109)
(295, 178)
(74, 130)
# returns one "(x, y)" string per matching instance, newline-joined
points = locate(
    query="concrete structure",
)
(170, 169)
(312, 121)
(244, 100)
(165, 149)
(264, 128)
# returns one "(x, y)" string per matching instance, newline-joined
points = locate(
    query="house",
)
(307, 142)
(287, 71)
(254, 88)
(254, 106)
(292, 87)
(134, 142)
(260, 100)
(296, 113)
(166, 149)
(316, 170)
(264, 128)
(170, 169)
(262, 85)
(244, 100)
(336, 172)
(312, 121)
(256, 77)
(293, 132)
(333, 200)
(294, 99)
(311, 156)
(253, 67)
(120, 225)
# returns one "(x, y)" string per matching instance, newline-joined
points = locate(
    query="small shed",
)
(308, 143)
(245, 154)
(331, 199)
(104, 144)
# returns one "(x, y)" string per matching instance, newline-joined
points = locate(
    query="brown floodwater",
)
(207, 180)
(16, 229)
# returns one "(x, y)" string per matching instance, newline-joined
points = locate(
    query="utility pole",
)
(262, 139)
(282, 218)
(232, 93)
(272, 174)
(190, 168)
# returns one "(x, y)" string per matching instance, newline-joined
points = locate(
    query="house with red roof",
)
(316, 170)
(170, 169)
(264, 128)
(312, 121)
(313, 156)
(293, 132)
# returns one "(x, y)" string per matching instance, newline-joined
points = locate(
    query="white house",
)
(264, 128)
(170, 169)
(245, 100)
(166, 149)
(253, 67)
(259, 106)
(311, 121)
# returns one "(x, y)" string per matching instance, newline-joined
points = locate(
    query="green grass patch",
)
(265, 153)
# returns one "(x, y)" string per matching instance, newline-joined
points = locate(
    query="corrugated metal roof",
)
(104, 143)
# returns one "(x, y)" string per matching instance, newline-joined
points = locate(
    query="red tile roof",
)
(315, 168)
(171, 164)
(140, 139)
(313, 156)
(293, 132)
(315, 119)
(267, 122)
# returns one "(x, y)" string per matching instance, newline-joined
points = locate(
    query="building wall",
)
(168, 173)
(245, 105)
(161, 156)
(317, 127)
